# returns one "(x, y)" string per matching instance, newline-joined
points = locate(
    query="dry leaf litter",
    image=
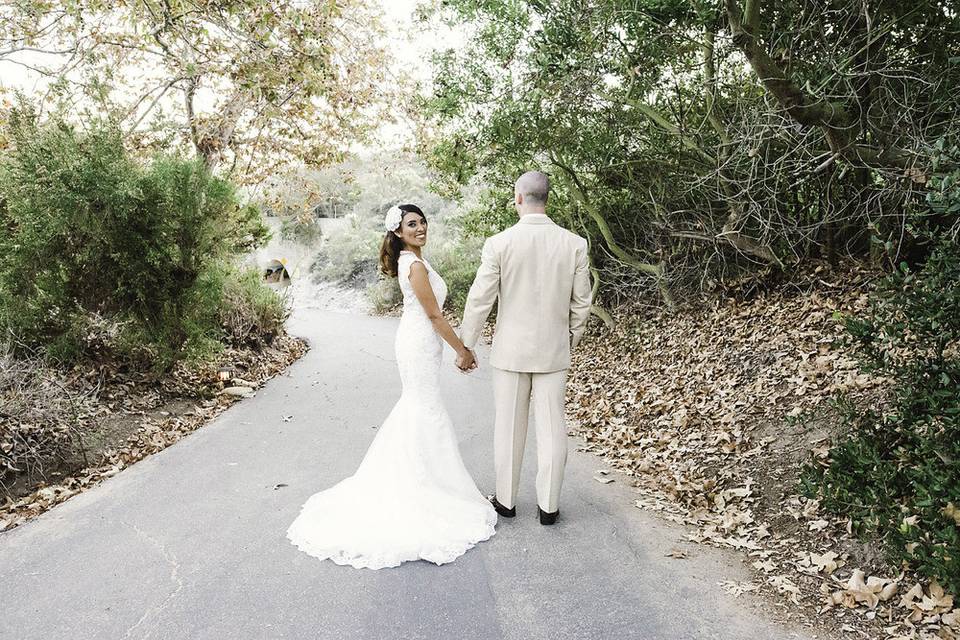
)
(104, 398)
(711, 413)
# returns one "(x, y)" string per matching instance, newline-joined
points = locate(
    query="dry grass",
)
(73, 429)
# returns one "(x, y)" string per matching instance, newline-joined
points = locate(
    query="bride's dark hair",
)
(393, 245)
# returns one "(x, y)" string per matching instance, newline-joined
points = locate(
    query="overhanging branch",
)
(577, 192)
(839, 127)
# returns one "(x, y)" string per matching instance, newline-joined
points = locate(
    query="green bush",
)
(251, 313)
(225, 305)
(86, 231)
(187, 330)
(350, 254)
(384, 294)
(456, 258)
(896, 473)
(300, 229)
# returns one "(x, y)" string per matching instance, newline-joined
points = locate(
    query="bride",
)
(411, 497)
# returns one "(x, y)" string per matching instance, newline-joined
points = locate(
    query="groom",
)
(539, 272)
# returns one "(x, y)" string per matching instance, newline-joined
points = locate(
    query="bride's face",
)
(413, 229)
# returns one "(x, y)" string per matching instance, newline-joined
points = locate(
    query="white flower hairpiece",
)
(392, 220)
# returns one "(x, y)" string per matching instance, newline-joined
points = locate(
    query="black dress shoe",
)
(548, 518)
(502, 510)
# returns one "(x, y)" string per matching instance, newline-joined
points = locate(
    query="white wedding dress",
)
(411, 497)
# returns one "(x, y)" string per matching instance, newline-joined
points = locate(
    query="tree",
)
(692, 139)
(247, 83)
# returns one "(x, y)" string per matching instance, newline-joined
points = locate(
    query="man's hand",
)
(466, 361)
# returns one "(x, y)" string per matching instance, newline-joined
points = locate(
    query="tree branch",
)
(579, 195)
(710, 80)
(839, 127)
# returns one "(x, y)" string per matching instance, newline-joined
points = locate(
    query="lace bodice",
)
(419, 348)
(410, 302)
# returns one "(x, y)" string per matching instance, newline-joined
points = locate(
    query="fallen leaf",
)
(737, 589)
(869, 592)
(785, 585)
(818, 525)
(951, 512)
(767, 566)
(825, 563)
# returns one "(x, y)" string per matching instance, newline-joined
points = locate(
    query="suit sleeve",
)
(483, 293)
(580, 301)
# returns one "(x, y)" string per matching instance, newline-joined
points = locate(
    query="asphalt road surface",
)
(190, 542)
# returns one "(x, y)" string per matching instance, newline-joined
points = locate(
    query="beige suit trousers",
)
(513, 392)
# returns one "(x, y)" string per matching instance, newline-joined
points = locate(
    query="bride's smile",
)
(413, 230)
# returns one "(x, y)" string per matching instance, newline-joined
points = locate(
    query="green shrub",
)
(86, 231)
(456, 258)
(225, 305)
(897, 472)
(251, 312)
(300, 229)
(384, 294)
(350, 254)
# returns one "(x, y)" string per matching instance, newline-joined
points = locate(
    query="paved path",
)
(190, 544)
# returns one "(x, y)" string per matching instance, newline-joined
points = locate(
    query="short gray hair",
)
(534, 186)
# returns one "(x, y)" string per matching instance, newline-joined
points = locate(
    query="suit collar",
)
(535, 218)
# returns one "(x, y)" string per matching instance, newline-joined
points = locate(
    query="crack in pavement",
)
(174, 575)
(375, 355)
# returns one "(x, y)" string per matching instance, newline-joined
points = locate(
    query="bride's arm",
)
(420, 280)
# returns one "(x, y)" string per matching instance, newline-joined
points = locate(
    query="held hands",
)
(466, 361)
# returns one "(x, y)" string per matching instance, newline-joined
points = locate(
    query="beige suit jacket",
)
(540, 273)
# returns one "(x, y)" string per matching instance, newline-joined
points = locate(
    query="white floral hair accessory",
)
(392, 220)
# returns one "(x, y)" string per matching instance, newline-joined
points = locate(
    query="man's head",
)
(531, 190)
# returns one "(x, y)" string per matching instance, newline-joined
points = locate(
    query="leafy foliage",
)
(695, 141)
(897, 473)
(247, 84)
(86, 231)
(457, 261)
(672, 155)
(250, 313)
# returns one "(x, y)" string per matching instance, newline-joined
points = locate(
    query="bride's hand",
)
(466, 361)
